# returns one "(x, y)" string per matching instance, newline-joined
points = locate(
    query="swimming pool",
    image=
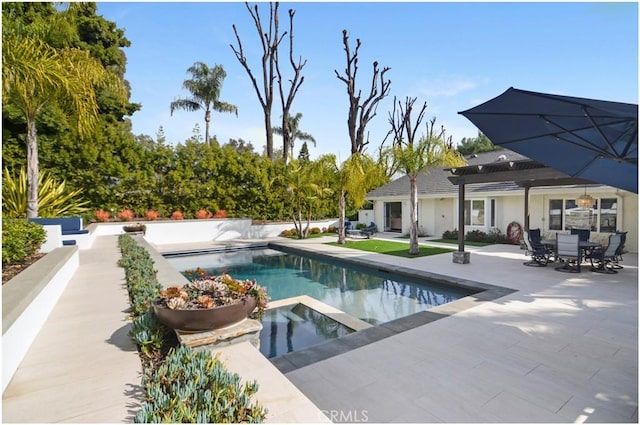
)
(370, 295)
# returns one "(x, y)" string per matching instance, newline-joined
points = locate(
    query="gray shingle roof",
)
(435, 182)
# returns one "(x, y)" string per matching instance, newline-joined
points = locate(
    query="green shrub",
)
(54, 200)
(140, 276)
(361, 226)
(450, 234)
(20, 238)
(193, 386)
(147, 332)
(475, 236)
(495, 236)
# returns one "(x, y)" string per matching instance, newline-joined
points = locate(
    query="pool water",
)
(294, 327)
(373, 296)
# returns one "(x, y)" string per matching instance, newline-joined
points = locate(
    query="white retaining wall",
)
(185, 231)
(27, 301)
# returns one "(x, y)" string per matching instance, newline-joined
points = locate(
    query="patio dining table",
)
(585, 246)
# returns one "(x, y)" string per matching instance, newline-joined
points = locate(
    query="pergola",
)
(524, 173)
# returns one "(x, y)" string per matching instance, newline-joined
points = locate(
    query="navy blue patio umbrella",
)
(591, 139)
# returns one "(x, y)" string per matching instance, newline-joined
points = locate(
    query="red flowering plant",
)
(126, 215)
(206, 291)
(102, 215)
(203, 214)
(151, 215)
(177, 215)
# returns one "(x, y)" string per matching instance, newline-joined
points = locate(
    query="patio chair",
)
(538, 252)
(535, 236)
(370, 229)
(616, 262)
(583, 234)
(602, 259)
(568, 253)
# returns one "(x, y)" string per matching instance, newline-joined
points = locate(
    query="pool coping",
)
(298, 359)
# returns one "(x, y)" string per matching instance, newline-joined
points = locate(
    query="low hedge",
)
(493, 237)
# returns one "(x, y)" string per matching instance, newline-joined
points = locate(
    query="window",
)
(608, 214)
(493, 213)
(565, 214)
(474, 213)
(555, 214)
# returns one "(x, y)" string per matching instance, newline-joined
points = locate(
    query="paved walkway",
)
(564, 348)
(83, 367)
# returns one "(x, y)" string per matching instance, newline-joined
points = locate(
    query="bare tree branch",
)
(269, 41)
(400, 119)
(296, 82)
(361, 113)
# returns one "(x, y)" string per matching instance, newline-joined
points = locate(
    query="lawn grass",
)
(399, 249)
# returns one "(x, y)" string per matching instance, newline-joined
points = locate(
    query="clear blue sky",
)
(451, 55)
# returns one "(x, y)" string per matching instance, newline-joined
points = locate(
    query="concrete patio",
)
(562, 348)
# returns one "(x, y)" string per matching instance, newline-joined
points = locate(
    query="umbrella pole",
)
(526, 208)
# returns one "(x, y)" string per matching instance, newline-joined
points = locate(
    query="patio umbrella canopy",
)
(591, 139)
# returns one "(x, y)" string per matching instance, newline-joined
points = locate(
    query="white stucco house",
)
(494, 205)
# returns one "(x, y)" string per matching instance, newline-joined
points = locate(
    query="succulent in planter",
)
(210, 302)
(135, 228)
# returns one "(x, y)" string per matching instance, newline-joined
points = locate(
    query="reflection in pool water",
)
(372, 296)
(294, 327)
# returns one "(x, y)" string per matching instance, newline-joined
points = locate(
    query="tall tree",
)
(432, 150)
(270, 39)
(303, 155)
(205, 86)
(361, 111)
(84, 162)
(36, 74)
(294, 133)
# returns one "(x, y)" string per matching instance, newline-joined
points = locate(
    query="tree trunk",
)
(343, 206)
(32, 169)
(269, 132)
(308, 228)
(207, 120)
(413, 229)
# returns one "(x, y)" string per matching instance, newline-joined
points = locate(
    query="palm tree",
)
(355, 177)
(35, 74)
(205, 87)
(432, 150)
(294, 123)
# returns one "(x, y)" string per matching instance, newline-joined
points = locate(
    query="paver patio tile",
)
(508, 407)
(448, 408)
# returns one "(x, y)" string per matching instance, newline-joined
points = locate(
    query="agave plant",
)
(53, 198)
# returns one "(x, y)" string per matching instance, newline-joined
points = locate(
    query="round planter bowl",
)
(205, 319)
